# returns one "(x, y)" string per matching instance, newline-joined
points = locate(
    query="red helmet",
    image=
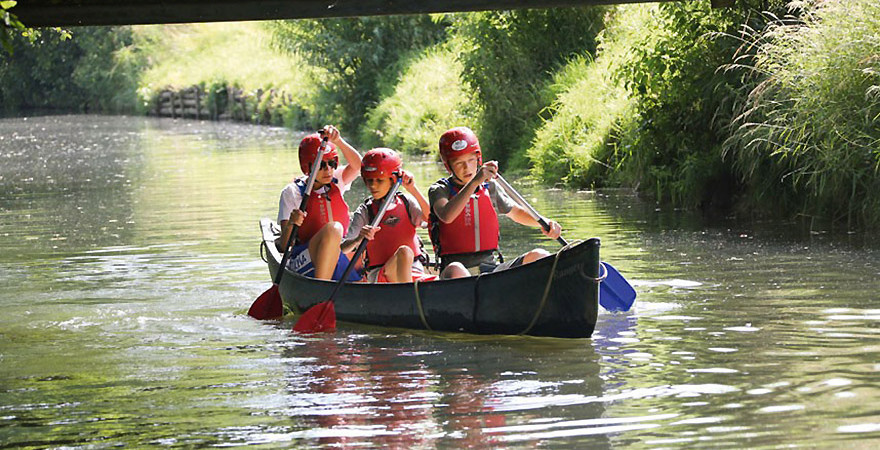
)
(457, 142)
(308, 150)
(380, 163)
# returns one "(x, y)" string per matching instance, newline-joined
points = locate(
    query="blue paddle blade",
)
(615, 293)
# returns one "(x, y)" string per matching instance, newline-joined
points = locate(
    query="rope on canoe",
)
(546, 291)
(263, 252)
(419, 305)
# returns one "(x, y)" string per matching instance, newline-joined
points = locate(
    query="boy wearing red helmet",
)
(394, 251)
(465, 207)
(316, 251)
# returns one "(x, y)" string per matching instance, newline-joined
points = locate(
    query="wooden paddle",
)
(322, 317)
(269, 305)
(616, 294)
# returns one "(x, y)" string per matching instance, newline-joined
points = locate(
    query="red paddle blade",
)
(318, 318)
(268, 305)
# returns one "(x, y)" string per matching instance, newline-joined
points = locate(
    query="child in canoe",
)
(321, 227)
(464, 210)
(394, 252)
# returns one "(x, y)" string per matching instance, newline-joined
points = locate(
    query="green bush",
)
(682, 104)
(651, 112)
(508, 58)
(811, 126)
(361, 57)
(109, 69)
(428, 100)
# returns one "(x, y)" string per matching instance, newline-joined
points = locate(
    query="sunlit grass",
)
(238, 54)
(428, 99)
(591, 103)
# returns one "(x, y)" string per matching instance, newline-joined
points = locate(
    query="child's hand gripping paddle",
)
(615, 294)
(268, 305)
(322, 317)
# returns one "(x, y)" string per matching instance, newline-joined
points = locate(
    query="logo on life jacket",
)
(391, 221)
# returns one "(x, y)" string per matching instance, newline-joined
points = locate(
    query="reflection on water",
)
(129, 255)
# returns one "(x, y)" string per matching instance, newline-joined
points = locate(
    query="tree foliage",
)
(682, 103)
(94, 71)
(508, 58)
(10, 26)
(360, 56)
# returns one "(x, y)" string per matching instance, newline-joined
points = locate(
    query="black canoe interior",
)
(497, 303)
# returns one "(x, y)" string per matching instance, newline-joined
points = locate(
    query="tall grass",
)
(811, 126)
(577, 145)
(428, 99)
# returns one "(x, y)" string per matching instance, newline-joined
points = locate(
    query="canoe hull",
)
(556, 296)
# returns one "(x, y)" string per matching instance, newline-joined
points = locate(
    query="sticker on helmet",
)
(459, 145)
(370, 168)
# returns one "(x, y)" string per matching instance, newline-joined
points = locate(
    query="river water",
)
(129, 256)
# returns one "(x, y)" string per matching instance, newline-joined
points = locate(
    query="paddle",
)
(615, 294)
(269, 305)
(322, 317)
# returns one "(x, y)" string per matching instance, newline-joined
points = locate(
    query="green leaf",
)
(7, 4)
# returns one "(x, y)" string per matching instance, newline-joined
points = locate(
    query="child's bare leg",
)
(398, 269)
(324, 249)
(535, 255)
(454, 270)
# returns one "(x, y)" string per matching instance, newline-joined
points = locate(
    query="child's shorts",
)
(301, 263)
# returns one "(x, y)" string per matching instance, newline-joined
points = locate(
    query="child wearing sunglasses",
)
(316, 251)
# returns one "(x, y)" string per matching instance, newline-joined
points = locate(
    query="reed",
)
(810, 127)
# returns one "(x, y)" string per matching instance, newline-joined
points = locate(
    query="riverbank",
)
(728, 111)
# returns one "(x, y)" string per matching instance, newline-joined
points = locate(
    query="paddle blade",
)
(268, 305)
(317, 319)
(615, 293)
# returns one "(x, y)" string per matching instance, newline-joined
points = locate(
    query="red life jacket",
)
(474, 230)
(396, 229)
(321, 210)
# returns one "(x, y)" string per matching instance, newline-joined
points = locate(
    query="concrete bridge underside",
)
(40, 13)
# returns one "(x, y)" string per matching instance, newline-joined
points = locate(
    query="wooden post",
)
(244, 107)
(230, 103)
